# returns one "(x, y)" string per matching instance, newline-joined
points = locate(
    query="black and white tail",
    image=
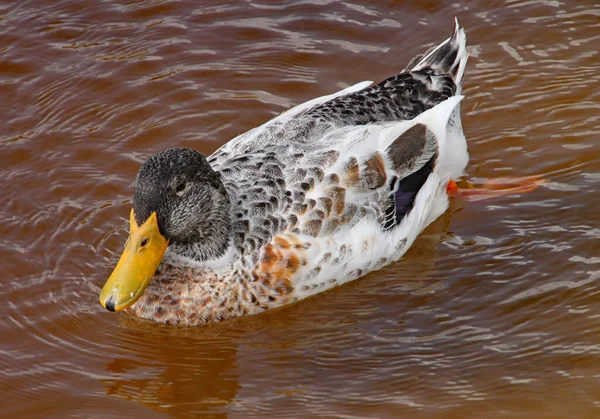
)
(448, 58)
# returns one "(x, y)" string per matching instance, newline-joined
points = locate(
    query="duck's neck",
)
(212, 237)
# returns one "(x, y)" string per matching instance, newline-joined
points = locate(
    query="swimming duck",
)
(320, 195)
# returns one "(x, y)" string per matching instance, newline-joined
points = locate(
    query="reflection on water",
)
(493, 309)
(202, 375)
(215, 366)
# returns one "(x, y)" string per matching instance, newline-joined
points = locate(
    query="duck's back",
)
(428, 80)
(342, 185)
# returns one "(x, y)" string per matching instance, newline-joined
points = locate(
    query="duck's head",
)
(178, 202)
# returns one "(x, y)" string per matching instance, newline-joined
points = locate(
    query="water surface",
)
(494, 311)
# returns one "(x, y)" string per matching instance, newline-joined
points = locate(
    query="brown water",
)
(494, 311)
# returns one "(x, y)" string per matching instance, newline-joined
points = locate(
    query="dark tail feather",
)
(450, 57)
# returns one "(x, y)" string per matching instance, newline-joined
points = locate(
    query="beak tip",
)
(110, 304)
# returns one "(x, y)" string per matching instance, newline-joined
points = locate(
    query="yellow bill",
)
(143, 252)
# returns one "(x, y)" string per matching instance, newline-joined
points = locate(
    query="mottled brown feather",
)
(373, 175)
(325, 204)
(351, 174)
(311, 227)
(338, 195)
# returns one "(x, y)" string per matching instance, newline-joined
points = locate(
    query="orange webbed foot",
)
(491, 188)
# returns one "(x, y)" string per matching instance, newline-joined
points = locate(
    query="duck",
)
(321, 195)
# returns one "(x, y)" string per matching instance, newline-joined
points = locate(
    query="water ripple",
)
(494, 305)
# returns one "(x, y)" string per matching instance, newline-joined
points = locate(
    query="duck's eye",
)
(180, 187)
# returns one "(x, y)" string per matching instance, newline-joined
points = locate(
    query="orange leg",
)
(494, 187)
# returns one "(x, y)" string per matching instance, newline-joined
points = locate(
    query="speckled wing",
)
(428, 80)
(322, 172)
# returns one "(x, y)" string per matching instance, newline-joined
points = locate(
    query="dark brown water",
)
(493, 313)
